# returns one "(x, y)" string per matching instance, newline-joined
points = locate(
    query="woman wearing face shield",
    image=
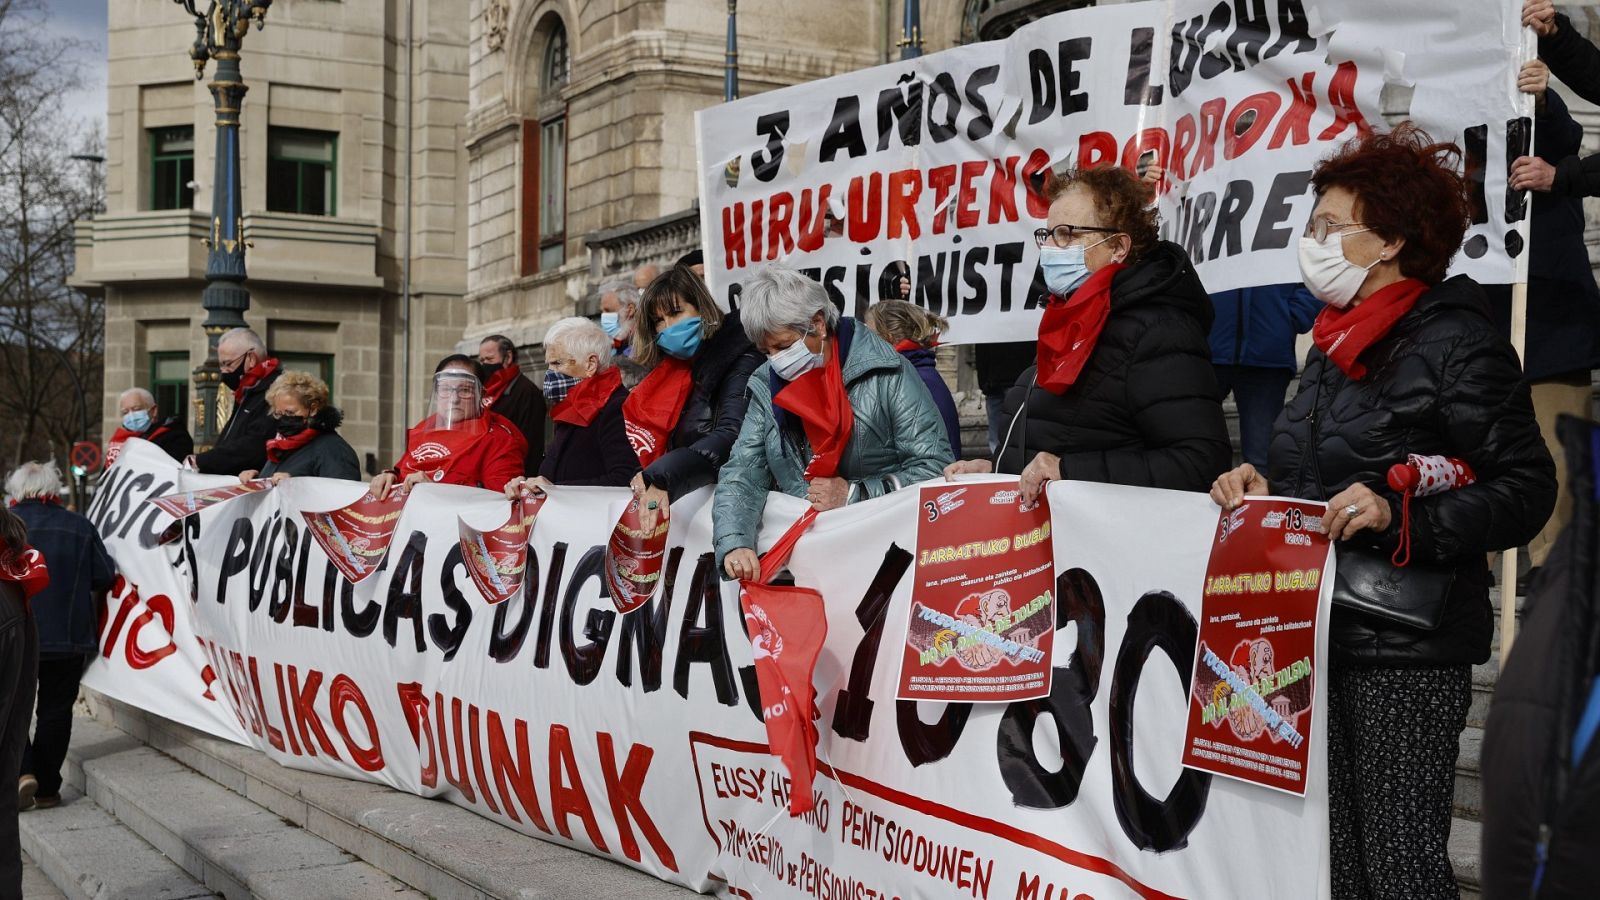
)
(459, 442)
(835, 415)
(583, 388)
(1122, 390)
(1405, 361)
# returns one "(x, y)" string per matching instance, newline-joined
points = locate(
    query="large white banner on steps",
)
(637, 737)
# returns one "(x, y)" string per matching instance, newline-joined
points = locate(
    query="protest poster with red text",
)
(982, 607)
(1251, 701)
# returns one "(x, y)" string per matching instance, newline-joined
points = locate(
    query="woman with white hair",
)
(835, 415)
(585, 393)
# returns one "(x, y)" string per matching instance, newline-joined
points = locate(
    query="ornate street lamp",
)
(730, 65)
(911, 31)
(219, 33)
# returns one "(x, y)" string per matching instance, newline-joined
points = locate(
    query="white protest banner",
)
(933, 167)
(637, 736)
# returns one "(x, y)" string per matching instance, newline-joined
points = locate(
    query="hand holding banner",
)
(634, 559)
(356, 537)
(497, 559)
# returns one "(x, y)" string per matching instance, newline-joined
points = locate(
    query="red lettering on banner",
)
(1038, 163)
(567, 794)
(283, 707)
(905, 186)
(1210, 126)
(209, 677)
(943, 181)
(1003, 191)
(159, 605)
(414, 704)
(303, 702)
(1296, 122)
(236, 669)
(1265, 105)
(218, 657)
(866, 207)
(623, 792)
(459, 777)
(779, 237)
(966, 212)
(477, 759)
(733, 236)
(127, 596)
(813, 218)
(1342, 97)
(342, 691)
(274, 736)
(1096, 148)
(755, 231)
(1149, 139)
(517, 771)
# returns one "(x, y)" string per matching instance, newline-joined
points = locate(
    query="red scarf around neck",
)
(255, 376)
(654, 406)
(819, 398)
(433, 450)
(281, 446)
(908, 345)
(498, 382)
(1344, 334)
(26, 569)
(1070, 329)
(121, 435)
(587, 398)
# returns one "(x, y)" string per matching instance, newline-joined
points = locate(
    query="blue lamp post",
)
(911, 31)
(219, 34)
(730, 67)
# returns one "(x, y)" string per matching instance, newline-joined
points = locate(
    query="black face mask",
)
(289, 426)
(490, 368)
(233, 379)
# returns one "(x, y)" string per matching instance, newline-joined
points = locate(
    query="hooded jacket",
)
(897, 440)
(1443, 381)
(1144, 410)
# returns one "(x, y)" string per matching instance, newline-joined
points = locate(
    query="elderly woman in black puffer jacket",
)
(1123, 390)
(1406, 361)
(684, 416)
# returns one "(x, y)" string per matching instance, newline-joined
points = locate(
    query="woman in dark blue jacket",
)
(914, 332)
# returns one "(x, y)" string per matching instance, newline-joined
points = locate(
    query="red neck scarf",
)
(26, 569)
(908, 345)
(498, 382)
(255, 376)
(1070, 328)
(121, 435)
(433, 450)
(281, 446)
(49, 499)
(818, 397)
(1344, 334)
(587, 398)
(654, 406)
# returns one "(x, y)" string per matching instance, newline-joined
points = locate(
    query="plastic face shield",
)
(457, 399)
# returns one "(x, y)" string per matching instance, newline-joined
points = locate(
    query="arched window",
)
(544, 152)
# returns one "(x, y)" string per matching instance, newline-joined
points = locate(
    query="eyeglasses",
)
(1318, 228)
(234, 364)
(1064, 235)
(465, 391)
(560, 363)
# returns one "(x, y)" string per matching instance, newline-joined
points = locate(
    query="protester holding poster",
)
(584, 389)
(1405, 361)
(1123, 390)
(682, 419)
(460, 442)
(835, 415)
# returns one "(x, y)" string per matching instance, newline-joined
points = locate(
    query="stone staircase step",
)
(1465, 835)
(435, 847)
(226, 842)
(35, 884)
(79, 851)
(1469, 792)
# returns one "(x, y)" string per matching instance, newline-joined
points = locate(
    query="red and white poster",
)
(982, 606)
(356, 537)
(1251, 702)
(497, 559)
(182, 504)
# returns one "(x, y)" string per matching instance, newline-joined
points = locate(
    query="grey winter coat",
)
(898, 439)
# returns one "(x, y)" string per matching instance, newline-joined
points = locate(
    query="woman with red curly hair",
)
(1123, 390)
(1406, 361)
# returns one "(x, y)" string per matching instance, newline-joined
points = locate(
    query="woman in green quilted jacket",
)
(836, 416)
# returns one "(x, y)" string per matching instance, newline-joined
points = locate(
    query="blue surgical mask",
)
(138, 420)
(681, 340)
(557, 385)
(794, 360)
(611, 323)
(1064, 267)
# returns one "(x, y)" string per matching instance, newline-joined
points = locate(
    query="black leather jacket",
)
(700, 442)
(1443, 381)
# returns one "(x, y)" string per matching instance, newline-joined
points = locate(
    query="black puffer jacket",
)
(1144, 410)
(327, 455)
(711, 417)
(1442, 381)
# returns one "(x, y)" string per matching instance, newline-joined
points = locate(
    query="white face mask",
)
(794, 360)
(1327, 274)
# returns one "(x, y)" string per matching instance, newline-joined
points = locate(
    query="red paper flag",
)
(496, 560)
(356, 538)
(787, 626)
(634, 559)
(183, 504)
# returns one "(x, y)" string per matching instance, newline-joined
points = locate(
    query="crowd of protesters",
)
(665, 393)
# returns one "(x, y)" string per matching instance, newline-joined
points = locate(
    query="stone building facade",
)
(323, 161)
